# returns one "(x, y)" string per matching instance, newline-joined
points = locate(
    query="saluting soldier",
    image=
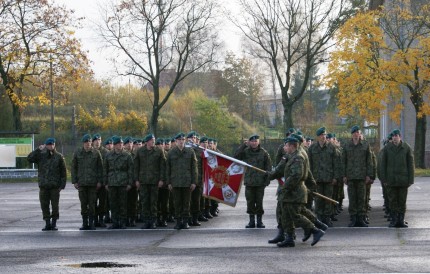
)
(87, 177)
(397, 174)
(118, 178)
(101, 201)
(358, 168)
(181, 176)
(149, 171)
(52, 177)
(255, 181)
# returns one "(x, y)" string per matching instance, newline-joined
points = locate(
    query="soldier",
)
(358, 168)
(181, 176)
(255, 182)
(294, 196)
(52, 177)
(308, 142)
(118, 178)
(149, 171)
(281, 152)
(204, 202)
(108, 144)
(101, 200)
(196, 195)
(338, 193)
(132, 193)
(324, 162)
(397, 174)
(213, 206)
(87, 175)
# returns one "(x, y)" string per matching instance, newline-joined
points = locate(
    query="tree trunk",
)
(16, 114)
(420, 141)
(288, 116)
(154, 120)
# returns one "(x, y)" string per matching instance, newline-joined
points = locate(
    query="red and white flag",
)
(222, 178)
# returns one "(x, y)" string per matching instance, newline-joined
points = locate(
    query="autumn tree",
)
(289, 32)
(174, 37)
(382, 56)
(33, 35)
(245, 86)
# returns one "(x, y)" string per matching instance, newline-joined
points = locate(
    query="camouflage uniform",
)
(87, 174)
(102, 207)
(118, 175)
(181, 173)
(397, 173)
(149, 169)
(52, 177)
(358, 165)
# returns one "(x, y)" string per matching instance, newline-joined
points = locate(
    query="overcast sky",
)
(101, 66)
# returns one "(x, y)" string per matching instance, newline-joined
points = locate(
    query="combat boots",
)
(360, 221)
(208, 214)
(54, 225)
(115, 224)
(163, 222)
(152, 224)
(278, 238)
(47, 225)
(202, 218)
(260, 221)
(84, 223)
(91, 223)
(401, 221)
(178, 224)
(251, 223)
(122, 224)
(317, 235)
(131, 222)
(194, 221)
(185, 223)
(287, 242)
(321, 225)
(101, 221)
(353, 221)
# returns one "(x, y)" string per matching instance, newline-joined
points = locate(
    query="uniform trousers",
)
(149, 196)
(181, 199)
(87, 197)
(357, 197)
(397, 197)
(254, 199)
(118, 202)
(49, 197)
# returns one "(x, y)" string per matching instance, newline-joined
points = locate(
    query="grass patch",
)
(419, 172)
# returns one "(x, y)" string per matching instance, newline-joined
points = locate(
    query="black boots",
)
(287, 242)
(251, 223)
(178, 224)
(91, 223)
(317, 235)
(321, 225)
(401, 220)
(54, 225)
(101, 222)
(360, 221)
(260, 221)
(47, 225)
(194, 221)
(278, 238)
(115, 224)
(353, 219)
(84, 223)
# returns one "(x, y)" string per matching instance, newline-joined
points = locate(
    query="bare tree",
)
(292, 34)
(175, 37)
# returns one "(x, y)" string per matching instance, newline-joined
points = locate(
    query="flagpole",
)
(227, 157)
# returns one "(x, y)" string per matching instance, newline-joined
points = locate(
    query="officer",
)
(118, 178)
(101, 202)
(397, 173)
(52, 177)
(149, 172)
(181, 176)
(255, 181)
(87, 177)
(358, 169)
(324, 161)
(294, 196)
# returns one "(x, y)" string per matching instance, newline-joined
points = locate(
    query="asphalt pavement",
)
(222, 245)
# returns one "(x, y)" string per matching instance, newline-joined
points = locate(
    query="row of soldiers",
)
(325, 167)
(150, 180)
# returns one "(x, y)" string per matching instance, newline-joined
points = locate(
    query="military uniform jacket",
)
(181, 167)
(324, 161)
(87, 167)
(118, 169)
(51, 168)
(357, 160)
(150, 166)
(103, 152)
(295, 173)
(256, 157)
(397, 165)
(198, 153)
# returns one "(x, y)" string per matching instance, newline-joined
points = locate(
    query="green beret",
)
(309, 139)
(355, 129)
(128, 140)
(86, 138)
(167, 140)
(254, 137)
(159, 141)
(320, 131)
(299, 133)
(96, 137)
(180, 135)
(108, 141)
(395, 132)
(390, 136)
(116, 140)
(191, 134)
(148, 137)
(330, 135)
(297, 136)
(203, 139)
(291, 140)
(50, 141)
(137, 141)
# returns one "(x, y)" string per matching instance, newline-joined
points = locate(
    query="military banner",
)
(222, 177)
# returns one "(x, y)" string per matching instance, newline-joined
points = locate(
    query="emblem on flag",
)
(222, 178)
